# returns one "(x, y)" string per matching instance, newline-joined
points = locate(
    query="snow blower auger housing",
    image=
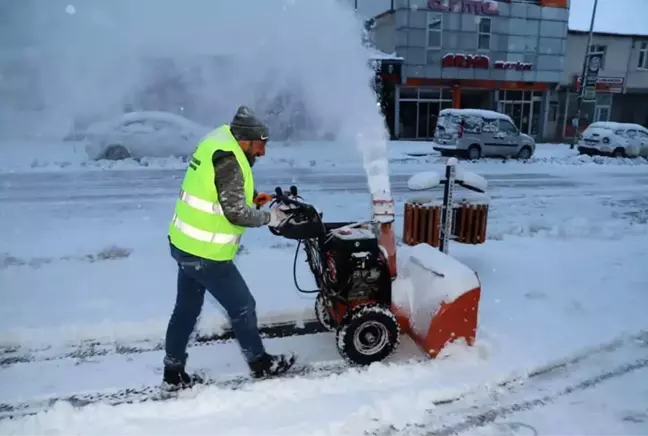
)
(353, 277)
(437, 297)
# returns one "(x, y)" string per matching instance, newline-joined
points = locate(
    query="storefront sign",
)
(477, 7)
(591, 76)
(518, 66)
(482, 62)
(604, 84)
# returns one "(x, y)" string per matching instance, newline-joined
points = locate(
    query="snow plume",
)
(300, 64)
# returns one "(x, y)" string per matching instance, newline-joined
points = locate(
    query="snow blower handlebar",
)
(303, 220)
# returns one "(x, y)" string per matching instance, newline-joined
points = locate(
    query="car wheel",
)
(116, 152)
(619, 152)
(524, 153)
(474, 152)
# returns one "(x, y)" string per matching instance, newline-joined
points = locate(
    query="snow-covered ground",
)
(87, 286)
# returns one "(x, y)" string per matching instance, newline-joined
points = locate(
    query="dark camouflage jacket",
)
(231, 193)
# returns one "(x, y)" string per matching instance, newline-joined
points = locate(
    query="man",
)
(215, 206)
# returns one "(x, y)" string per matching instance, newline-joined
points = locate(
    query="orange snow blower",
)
(360, 293)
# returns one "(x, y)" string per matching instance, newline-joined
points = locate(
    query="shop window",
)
(431, 93)
(407, 92)
(434, 30)
(599, 49)
(484, 34)
(643, 56)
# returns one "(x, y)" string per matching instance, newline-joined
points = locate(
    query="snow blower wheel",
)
(370, 334)
(322, 314)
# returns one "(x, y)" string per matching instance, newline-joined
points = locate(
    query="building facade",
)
(503, 55)
(621, 87)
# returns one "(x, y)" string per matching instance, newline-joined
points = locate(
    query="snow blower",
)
(360, 294)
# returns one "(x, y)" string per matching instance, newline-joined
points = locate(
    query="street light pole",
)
(581, 92)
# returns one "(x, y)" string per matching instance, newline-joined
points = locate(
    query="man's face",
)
(253, 149)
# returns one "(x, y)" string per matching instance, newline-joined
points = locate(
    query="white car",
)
(142, 134)
(614, 139)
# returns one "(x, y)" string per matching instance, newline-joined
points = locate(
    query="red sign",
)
(482, 62)
(478, 7)
(465, 61)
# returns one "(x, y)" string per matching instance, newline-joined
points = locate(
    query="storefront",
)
(421, 100)
(482, 54)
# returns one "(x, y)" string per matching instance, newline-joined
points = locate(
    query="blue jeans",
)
(227, 286)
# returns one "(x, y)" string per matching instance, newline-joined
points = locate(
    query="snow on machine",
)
(360, 294)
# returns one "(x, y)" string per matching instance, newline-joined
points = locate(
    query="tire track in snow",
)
(490, 416)
(318, 370)
(89, 349)
(477, 408)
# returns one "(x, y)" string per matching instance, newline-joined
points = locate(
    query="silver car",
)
(476, 133)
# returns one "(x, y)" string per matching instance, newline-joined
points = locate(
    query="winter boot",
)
(270, 365)
(175, 377)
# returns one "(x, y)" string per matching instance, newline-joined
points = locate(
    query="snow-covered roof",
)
(611, 125)
(482, 113)
(619, 17)
(379, 55)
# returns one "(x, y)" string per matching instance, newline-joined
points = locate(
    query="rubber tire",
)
(519, 155)
(372, 312)
(322, 314)
(474, 147)
(619, 152)
(116, 152)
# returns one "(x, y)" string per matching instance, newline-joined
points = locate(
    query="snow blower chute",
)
(365, 297)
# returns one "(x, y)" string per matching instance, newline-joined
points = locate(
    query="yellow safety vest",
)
(198, 226)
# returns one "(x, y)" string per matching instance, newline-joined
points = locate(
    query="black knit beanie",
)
(246, 127)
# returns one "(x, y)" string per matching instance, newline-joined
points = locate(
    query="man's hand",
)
(261, 199)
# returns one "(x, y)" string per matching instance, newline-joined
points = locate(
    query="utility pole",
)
(581, 92)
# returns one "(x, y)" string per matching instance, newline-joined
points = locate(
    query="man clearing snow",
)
(215, 207)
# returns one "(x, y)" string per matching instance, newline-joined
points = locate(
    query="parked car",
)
(142, 134)
(476, 133)
(607, 138)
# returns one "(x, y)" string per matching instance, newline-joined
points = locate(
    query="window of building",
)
(434, 30)
(484, 34)
(553, 111)
(643, 56)
(599, 50)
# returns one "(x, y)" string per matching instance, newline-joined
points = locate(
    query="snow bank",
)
(45, 156)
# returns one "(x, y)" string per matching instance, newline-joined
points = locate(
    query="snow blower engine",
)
(352, 273)
(359, 295)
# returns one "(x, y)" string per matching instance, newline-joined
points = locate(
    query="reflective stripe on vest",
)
(200, 204)
(204, 236)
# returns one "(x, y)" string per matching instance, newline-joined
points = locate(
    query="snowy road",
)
(107, 186)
